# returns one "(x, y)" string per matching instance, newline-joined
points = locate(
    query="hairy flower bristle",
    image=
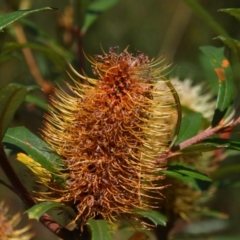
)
(110, 134)
(8, 230)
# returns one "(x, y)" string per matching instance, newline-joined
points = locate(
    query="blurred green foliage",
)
(174, 28)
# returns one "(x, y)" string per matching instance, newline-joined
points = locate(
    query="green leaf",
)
(211, 213)
(9, 18)
(30, 97)
(209, 73)
(213, 144)
(35, 147)
(11, 97)
(187, 175)
(228, 143)
(233, 46)
(190, 126)
(41, 36)
(185, 179)
(29, 88)
(230, 42)
(156, 217)
(39, 209)
(204, 147)
(11, 46)
(225, 81)
(94, 10)
(101, 230)
(36, 101)
(235, 12)
(186, 170)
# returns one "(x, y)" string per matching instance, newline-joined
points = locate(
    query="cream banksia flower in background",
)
(110, 133)
(181, 198)
(195, 97)
(8, 226)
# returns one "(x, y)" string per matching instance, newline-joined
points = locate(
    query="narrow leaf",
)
(156, 217)
(213, 144)
(9, 18)
(186, 170)
(55, 57)
(30, 98)
(29, 88)
(190, 126)
(11, 97)
(228, 143)
(185, 179)
(35, 147)
(39, 209)
(225, 81)
(215, 214)
(204, 147)
(233, 46)
(100, 229)
(41, 36)
(94, 10)
(234, 56)
(209, 73)
(188, 175)
(235, 12)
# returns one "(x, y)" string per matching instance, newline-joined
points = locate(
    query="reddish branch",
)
(198, 138)
(21, 38)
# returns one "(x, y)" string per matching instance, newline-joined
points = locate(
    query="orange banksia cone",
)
(110, 133)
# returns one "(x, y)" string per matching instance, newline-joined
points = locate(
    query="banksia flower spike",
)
(110, 133)
(8, 226)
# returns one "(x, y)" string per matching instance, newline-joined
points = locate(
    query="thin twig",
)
(191, 141)
(198, 138)
(8, 186)
(21, 38)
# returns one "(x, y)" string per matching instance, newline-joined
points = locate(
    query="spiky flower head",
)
(110, 133)
(8, 226)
